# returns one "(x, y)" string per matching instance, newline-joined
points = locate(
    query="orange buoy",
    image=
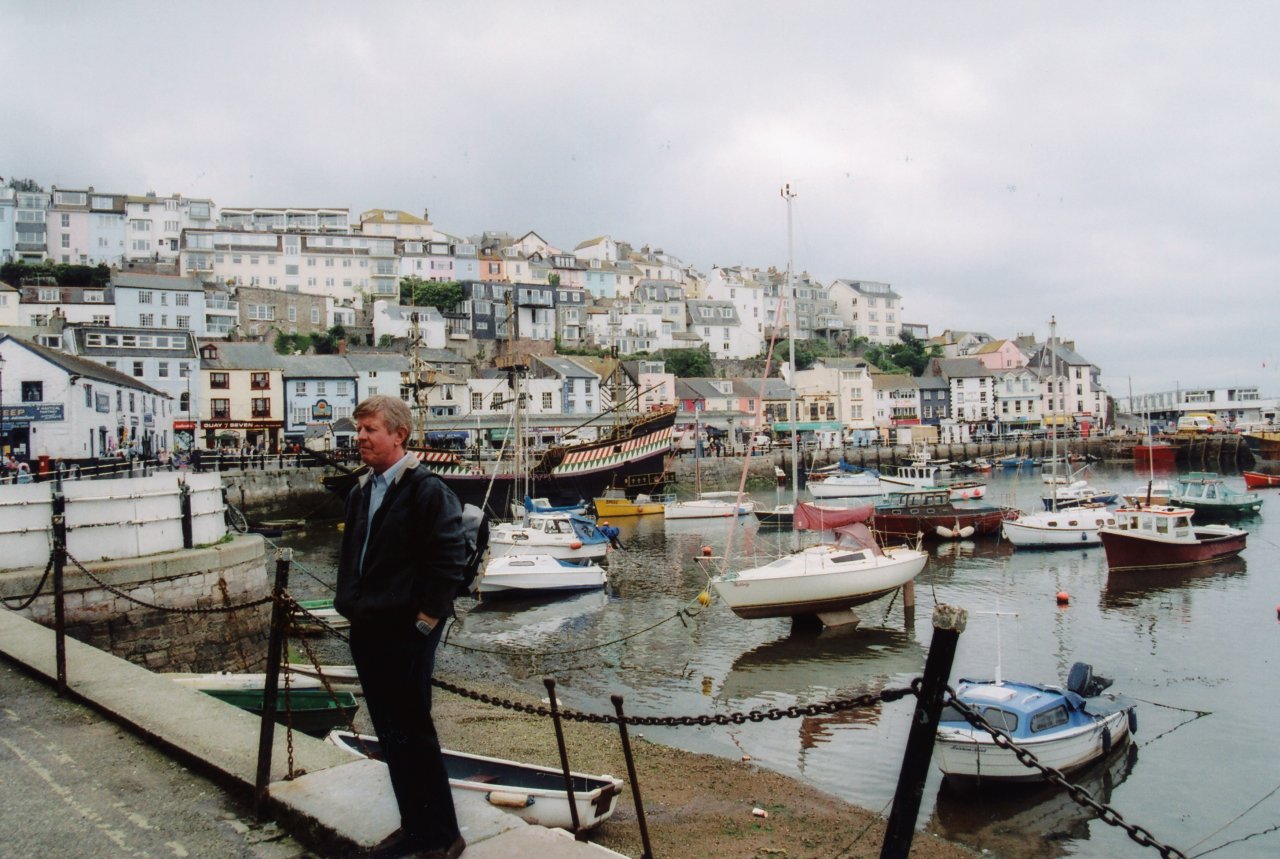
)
(706, 551)
(576, 544)
(1063, 597)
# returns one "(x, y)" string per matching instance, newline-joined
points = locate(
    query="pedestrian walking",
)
(401, 564)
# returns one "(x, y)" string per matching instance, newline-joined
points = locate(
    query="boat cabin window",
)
(1002, 719)
(844, 559)
(1049, 719)
(1074, 524)
(950, 713)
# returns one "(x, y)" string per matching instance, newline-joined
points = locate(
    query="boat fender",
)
(576, 544)
(1133, 720)
(1106, 741)
(944, 532)
(508, 799)
(966, 531)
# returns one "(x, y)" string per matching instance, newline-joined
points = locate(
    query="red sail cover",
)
(810, 517)
(858, 536)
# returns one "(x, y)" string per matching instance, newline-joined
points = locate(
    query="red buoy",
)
(706, 550)
(1063, 597)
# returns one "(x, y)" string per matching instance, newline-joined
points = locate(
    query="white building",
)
(159, 301)
(868, 309)
(65, 407)
(8, 208)
(400, 321)
(155, 224)
(720, 327)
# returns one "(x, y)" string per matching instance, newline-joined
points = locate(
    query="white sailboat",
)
(706, 505)
(1069, 527)
(827, 580)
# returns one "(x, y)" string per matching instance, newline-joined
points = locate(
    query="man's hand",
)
(430, 621)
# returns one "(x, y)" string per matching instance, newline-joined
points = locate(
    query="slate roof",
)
(317, 367)
(243, 356)
(156, 281)
(86, 368)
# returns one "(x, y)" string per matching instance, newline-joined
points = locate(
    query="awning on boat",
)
(810, 517)
(447, 435)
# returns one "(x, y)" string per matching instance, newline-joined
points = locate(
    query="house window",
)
(320, 389)
(221, 408)
(147, 320)
(33, 392)
(182, 299)
(546, 400)
(162, 369)
(260, 381)
(477, 401)
(315, 316)
(137, 369)
(261, 408)
(144, 296)
(495, 401)
(220, 380)
(300, 388)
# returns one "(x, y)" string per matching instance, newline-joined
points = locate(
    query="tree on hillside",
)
(910, 355)
(441, 295)
(688, 363)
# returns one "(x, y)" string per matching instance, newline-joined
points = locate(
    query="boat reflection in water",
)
(525, 623)
(998, 817)
(1132, 588)
(809, 666)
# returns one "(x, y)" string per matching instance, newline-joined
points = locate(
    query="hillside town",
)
(149, 325)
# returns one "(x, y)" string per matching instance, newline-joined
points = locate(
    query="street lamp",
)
(4, 433)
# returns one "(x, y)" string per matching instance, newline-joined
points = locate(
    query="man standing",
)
(401, 563)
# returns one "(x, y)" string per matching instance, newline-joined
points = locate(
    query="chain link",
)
(1078, 794)
(839, 705)
(175, 609)
(39, 587)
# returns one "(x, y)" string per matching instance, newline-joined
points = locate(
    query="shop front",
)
(263, 435)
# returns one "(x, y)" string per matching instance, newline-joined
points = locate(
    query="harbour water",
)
(1196, 647)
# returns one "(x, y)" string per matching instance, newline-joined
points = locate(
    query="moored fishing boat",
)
(1260, 480)
(931, 512)
(317, 616)
(1057, 529)
(615, 502)
(1211, 498)
(560, 535)
(536, 794)
(1159, 536)
(709, 505)
(1264, 444)
(1064, 728)
(530, 574)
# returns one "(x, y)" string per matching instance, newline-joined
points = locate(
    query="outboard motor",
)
(1082, 681)
(611, 532)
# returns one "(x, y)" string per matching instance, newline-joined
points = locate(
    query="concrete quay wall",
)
(175, 635)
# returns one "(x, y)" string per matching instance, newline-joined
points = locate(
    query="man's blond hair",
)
(394, 412)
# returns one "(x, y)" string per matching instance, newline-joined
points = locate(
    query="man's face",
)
(379, 448)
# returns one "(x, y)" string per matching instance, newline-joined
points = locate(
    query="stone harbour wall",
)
(172, 632)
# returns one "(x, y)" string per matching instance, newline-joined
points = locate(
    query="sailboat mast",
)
(1053, 429)
(791, 353)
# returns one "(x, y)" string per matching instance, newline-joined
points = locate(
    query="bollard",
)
(646, 850)
(59, 593)
(948, 623)
(184, 501)
(578, 831)
(275, 642)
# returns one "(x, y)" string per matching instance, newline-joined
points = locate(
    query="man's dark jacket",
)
(416, 552)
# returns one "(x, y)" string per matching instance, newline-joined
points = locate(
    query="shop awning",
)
(808, 426)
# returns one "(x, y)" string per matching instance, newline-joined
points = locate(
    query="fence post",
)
(275, 641)
(948, 623)
(550, 683)
(184, 500)
(646, 849)
(59, 594)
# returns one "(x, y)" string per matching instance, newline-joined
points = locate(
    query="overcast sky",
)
(1115, 165)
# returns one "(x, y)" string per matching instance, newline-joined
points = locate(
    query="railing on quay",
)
(930, 690)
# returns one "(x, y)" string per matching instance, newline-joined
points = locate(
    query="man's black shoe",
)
(453, 851)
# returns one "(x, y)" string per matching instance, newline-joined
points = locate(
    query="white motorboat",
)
(534, 793)
(1075, 493)
(846, 484)
(1051, 529)
(341, 678)
(1064, 728)
(827, 578)
(560, 535)
(231, 682)
(709, 505)
(525, 574)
